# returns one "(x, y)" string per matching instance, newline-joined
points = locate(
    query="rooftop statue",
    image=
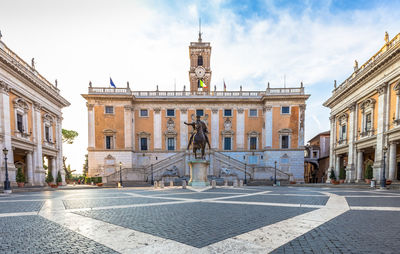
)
(199, 137)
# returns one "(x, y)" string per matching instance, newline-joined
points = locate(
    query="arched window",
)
(200, 60)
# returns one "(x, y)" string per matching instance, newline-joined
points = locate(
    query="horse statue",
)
(199, 137)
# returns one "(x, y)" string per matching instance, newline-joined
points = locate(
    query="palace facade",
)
(143, 132)
(30, 120)
(365, 117)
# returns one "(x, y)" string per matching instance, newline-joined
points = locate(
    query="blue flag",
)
(112, 83)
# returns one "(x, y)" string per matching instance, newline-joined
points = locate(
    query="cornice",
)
(32, 77)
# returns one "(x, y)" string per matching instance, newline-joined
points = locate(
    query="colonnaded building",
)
(145, 130)
(365, 117)
(30, 120)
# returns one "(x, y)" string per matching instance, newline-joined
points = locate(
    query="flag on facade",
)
(224, 86)
(202, 84)
(112, 83)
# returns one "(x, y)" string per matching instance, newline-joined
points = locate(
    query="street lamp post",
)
(120, 173)
(152, 176)
(245, 173)
(383, 178)
(7, 188)
(275, 175)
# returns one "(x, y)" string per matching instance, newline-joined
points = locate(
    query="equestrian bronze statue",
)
(199, 137)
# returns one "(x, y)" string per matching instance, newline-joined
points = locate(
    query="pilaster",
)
(350, 169)
(268, 126)
(302, 114)
(240, 129)
(183, 129)
(215, 128)
(392, 160)
(332, 141)
(157, 129)
(91, 127)
(128, 126)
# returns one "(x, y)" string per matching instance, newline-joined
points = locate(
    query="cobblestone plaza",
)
(221, 220)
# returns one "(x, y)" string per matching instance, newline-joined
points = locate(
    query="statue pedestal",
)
(198, 173)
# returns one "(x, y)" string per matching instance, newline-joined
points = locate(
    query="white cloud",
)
(147, 44)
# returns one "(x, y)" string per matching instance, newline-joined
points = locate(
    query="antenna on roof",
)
(284, 81)
(200, 30)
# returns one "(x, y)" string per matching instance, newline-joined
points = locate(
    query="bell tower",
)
(200, 71)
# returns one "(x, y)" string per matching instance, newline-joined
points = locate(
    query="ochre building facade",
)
(30, 121)
(365, 117)
(145, 130)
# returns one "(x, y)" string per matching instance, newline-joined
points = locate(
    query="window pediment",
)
(109, 132)
(253, 134)
(285, 131)
(397, 87)
(368, 103)
(342, 118)
(21, 103)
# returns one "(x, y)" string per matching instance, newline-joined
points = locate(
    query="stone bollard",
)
(226, 183)
(183, 184)
(241, 183)
(171, 183)
(161, 184)
(235, 183)
(214, 184)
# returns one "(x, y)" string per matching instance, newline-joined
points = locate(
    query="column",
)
(360, 162)
(268, 126)
(392, 160)
(350, 176)
(332, 138)
(380, 142)
(39, 173)
(59, 159)
(337, 166)
(183, 129)
(91, 130)
(215, 128)
(53, 168)
(157, 129)
(29, 167)
(6, 129)
(240, 129)
(128, 126)
(301, 125)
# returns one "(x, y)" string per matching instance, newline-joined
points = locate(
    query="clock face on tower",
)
(200, 72)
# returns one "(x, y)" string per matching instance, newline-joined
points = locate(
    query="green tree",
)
(369, 172)
(68, 137)
(332, 175)
(342, 174)
(85, 166)
(20, 178)
(59, 178)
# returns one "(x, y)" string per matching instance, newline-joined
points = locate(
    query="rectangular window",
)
(368, 122)
(285, 110)
(228, 143)
(143, 144)
(171, 144)
(144, 113)
(199, 112)
(284, 141)
(253, 112)
(227, 112)
(47, 133)
(170, 112)
(253, 143)
(109, 110)
(200, 60)
(109, 142)
(20, 125)
(343, 132)
(314, 154)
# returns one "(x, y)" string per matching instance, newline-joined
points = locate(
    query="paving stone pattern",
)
(35, 234)
(195, 224)
(378, 201)
(316, 200)
(20, 206)
(199, 195)
(91, 203)
(352, 232)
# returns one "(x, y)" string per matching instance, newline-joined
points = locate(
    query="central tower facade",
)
(200, 71)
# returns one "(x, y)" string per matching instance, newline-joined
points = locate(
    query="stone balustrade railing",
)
(268, 92)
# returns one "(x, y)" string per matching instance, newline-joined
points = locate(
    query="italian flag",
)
(202, 84)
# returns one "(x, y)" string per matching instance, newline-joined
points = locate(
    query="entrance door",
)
(398, 170)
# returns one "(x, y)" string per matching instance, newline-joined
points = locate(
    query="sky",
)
(146, 43)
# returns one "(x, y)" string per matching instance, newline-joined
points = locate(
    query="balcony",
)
(342, 141)
(367, 133)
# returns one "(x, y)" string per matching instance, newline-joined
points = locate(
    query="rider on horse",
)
(198, 126)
